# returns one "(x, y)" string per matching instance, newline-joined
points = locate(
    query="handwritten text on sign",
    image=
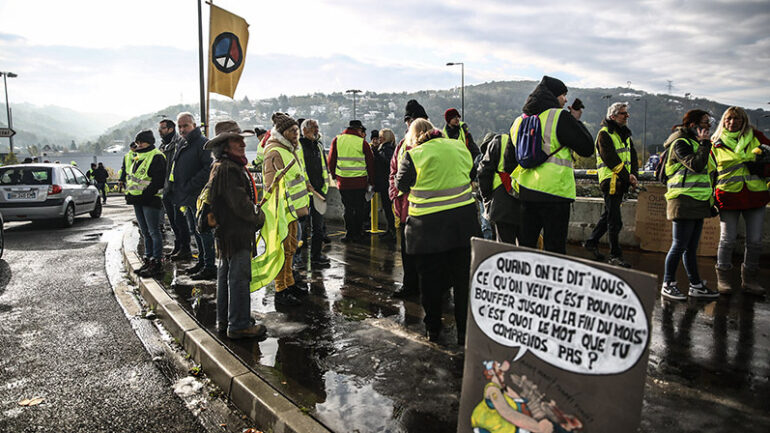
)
(568, 314)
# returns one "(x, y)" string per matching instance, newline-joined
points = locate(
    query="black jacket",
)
(191, 165)
(570, 132)
(501, 207)
(170, 143)
(100, 174)
(157, 172)
(382, 157)
(311, 149)
(606, 149)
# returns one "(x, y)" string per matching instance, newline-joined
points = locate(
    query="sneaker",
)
(671, 291)
(284, 297)
(256, 331)
(593, 249)
(207, 273)
(701, 291)
(618, 261)
(195, 269)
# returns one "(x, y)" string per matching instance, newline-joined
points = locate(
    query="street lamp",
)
(607, 97)
(8, 107)
(462, 86)
(354, 92)
(644, 136)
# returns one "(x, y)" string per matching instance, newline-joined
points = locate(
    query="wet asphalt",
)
(356, 359)
(64, 338)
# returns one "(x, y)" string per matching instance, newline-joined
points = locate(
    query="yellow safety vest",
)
(126, 163)
(497, 181)
(351, 161)
(683, 181)
(138, 179)
(731, 160)
(443, 167)
(554, 176)
(324, 168)
(295, 179)
(461, 136)
(623, 149)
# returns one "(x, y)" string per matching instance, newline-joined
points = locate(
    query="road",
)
(65, 338)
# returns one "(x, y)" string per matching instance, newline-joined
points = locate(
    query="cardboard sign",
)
(654, 230)
(555, 344)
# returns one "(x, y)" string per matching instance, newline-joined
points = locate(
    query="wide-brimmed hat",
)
(356, 124)
(226, 130)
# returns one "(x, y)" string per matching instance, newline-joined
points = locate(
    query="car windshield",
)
(25, 175)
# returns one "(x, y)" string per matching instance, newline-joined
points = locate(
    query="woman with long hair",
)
(689, 200)
(740, 191)
(437, 173)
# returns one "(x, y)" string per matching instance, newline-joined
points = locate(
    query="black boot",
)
(153, 270)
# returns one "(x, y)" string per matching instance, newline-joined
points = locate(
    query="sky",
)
(138, 56)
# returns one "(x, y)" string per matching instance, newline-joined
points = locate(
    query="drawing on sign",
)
(568, 314)
(226, 52)
(518, 406)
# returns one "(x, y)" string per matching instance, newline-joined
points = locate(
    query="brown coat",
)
(274, 164)
(232, 203)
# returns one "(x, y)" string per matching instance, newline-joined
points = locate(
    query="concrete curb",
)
(255, 397)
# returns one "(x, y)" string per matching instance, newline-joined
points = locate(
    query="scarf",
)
(738, 143)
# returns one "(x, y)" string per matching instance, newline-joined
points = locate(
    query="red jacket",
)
(400, 203)
(360, 182)
(745, 199)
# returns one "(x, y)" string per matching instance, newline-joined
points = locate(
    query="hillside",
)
(488, 107)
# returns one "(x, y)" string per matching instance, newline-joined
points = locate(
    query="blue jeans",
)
(486, 227)
(148, 218)
(233, 296)
(686, 236)
(205, 241)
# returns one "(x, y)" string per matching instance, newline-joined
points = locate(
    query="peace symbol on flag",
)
(226, 52)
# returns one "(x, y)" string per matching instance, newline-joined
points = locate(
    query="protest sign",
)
(554, 343)
(654, 230)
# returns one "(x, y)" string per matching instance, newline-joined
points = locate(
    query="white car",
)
(30, 192)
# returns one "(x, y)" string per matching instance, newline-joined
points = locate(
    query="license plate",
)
(18, 195)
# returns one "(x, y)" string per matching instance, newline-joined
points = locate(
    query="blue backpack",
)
(529, 143)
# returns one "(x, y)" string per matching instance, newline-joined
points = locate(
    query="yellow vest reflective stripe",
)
(350, 156)
(295, 180)
(623, 150)
(461, 136)
(324, 169)
(126, 163)
(554, 176)
(683, 181)
(137, 180)
(732, 172)
(443, 167)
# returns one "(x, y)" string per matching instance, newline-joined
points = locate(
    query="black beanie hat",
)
(375, 134)
(414, 110)
(555, 85)
(145, 136)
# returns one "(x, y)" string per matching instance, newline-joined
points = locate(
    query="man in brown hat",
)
(233, 200)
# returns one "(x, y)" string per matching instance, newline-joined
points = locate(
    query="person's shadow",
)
(5, 278)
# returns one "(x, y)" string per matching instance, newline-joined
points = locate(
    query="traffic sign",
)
(7, 132)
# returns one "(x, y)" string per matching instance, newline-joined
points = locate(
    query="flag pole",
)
(204, 111)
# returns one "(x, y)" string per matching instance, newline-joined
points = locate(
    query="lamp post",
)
(607, 97)
(462, 86)
(8, 107)
(354, 92)
(644, 136)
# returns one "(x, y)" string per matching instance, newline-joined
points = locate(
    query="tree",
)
(73, 146)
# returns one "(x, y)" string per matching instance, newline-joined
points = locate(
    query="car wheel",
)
(97, 212)
(69, 216)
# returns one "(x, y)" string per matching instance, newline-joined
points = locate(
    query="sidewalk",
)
(355, 360)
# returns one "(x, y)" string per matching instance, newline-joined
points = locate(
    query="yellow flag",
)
(228, 37)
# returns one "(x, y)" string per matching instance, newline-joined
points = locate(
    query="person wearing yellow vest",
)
(127, 158)
(458, 130)
(145, 175)
(689, 199)
(547, 190)
(280, 150)
(499, 189)
(741, 190)
(437, 174)
(410, 286)
(318, 176)
(617, 168)
(351, 163)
